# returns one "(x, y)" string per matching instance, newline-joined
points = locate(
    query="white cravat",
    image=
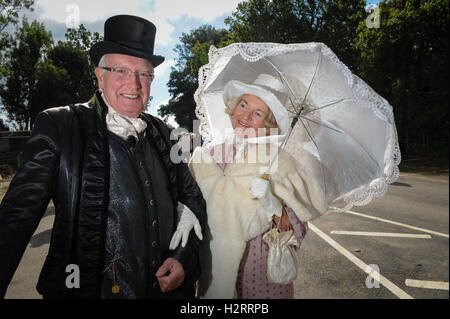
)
(122, 125)
(241, 144)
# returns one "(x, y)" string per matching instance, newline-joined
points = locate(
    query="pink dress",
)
(252, 280)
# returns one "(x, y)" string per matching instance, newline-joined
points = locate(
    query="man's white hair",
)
(102, 63)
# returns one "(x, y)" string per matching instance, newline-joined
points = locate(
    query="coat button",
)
(154, 223)
(154, 244)
(152, 202)
(155, 285)
(154, 263)
(147, 183)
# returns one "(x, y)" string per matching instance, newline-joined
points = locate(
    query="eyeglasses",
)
(124, 74)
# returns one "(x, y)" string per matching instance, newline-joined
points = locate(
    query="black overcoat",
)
(66, 160)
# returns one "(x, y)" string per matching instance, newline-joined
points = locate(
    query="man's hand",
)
(170, 275)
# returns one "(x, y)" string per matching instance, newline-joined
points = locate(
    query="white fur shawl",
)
(234, 218)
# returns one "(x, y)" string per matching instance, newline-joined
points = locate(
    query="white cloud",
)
(171, 119)
(161, 69)
(88, 10)
(206, 9)
(160, 12)
(163, 102)
(166, 10)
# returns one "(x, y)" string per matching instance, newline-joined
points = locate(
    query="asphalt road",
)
(335, 265)
(414, 201)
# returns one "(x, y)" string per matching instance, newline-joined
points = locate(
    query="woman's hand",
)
(187, 221)
(260, 189)
(283, 222)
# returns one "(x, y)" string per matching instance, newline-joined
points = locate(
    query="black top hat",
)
(130, 35)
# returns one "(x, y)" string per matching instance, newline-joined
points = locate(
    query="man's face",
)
(127, 96)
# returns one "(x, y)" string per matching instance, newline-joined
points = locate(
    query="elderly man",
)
(106, 166)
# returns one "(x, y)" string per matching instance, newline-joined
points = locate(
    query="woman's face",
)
(249, 115)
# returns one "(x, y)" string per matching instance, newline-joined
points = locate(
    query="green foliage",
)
(333, 22)
(51, 86)
(76, 62)
(32, 41)
(9, 14)
(406, 61)
(9, 11)
(281, 21)
(339, 29)
(82, 38)
(39, 75)
(183, 82)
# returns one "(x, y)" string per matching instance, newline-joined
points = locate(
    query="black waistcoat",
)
(137, 179)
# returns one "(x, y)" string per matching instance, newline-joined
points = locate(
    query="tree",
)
(31, 43)
(51, 87)
(3, 126)
(9, 11)
(183, 82)
(73, 57)
(339, 29)
(406, 61)
(80, 83)
(9, 14)
(266, 21)
(82, 38)
(40, 75)
(333, 22)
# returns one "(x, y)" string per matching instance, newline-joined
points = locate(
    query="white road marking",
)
(397, 223)
(358, 262)
(426, 284)
(379, 234)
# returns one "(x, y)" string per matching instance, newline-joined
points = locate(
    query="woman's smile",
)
(249, 113)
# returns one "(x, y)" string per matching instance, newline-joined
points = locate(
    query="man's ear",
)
(98, 74)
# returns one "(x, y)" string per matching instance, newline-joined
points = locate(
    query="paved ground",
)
(415, 201)
(334, 265)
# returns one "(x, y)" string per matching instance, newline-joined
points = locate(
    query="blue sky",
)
(171, 17)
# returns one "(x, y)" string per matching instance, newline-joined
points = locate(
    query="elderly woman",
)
(241, 204)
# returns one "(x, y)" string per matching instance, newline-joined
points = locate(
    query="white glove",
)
(260, 188)
(187, 221)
